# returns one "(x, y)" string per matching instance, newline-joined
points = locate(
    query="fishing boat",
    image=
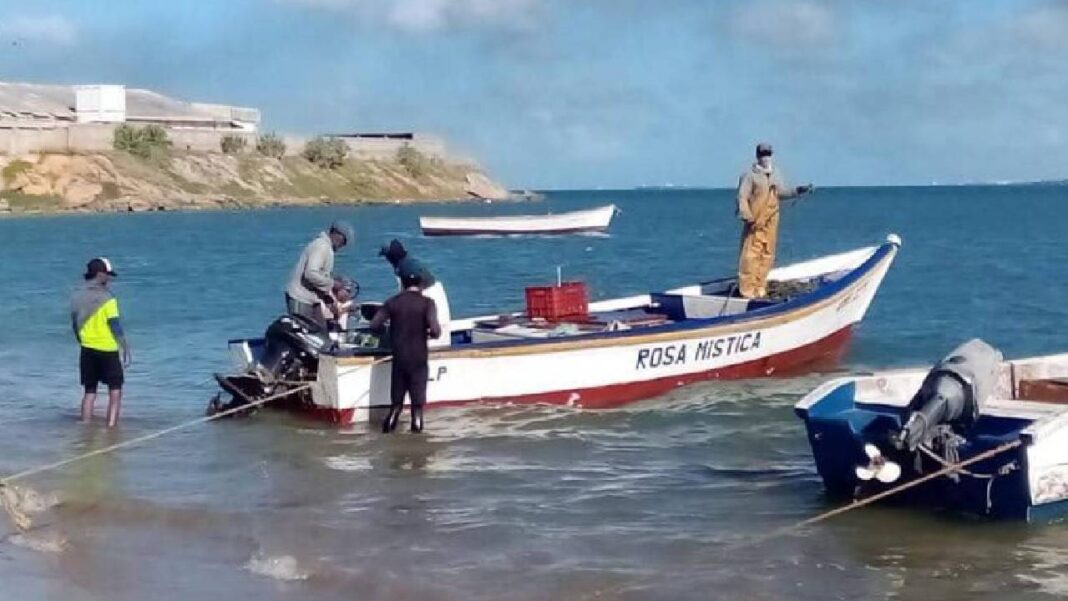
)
(574, 222)
(605, 354)
(872, 434)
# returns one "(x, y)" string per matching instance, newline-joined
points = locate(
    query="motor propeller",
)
(879, 467)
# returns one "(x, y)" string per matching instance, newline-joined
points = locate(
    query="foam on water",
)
(48, 542)
(282, 567)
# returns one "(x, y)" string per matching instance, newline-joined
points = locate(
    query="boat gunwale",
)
(424, 222)
(799, 306)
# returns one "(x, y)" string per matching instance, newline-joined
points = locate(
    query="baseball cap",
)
(763, 149)
(99, 265)
(345, 229)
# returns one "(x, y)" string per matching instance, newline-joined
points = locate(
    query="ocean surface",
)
(664, 499)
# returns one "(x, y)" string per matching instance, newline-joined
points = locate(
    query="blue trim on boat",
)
(793, 304)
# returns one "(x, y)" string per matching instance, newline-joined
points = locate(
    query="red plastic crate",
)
(557, 302)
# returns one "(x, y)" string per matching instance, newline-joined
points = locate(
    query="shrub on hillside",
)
(327, 153)
(233, 144)
(149, 142)
(271, 145)
(414, 162)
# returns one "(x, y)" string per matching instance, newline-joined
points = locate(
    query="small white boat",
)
(870, 433)
(574, 222)
(622, 350)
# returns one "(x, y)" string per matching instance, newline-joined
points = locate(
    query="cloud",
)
(433, 15)
(48, 29)
(775, 23)
(1045, 27)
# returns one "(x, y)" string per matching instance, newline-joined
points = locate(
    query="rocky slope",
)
(117, 181)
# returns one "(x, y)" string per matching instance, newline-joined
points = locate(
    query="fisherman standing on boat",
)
(94, 316)
(432, 288)
(312, 280)
(759, 192)
(413, 320)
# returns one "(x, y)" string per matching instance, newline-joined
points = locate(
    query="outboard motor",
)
(293, 345)
(951, 394)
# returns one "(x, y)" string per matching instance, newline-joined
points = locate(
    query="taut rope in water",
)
(845, 508)
(948, 469)
(9, 498)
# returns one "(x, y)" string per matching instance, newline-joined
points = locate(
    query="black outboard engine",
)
(293, 347)
(951, 394)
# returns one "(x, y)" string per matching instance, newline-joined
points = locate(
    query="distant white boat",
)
(589, 220)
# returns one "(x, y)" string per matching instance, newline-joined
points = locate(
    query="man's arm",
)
(788, 192)
(434, 329)
(120, 337)
(745, 184)
(317, 274)
(378, 322)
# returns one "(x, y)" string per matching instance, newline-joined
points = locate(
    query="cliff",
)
(117, 181)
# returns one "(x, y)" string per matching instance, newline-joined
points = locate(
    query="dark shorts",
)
(100, 366)
(410, 379)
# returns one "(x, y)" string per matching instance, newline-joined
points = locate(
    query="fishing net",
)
(790, 288)
(12, 502)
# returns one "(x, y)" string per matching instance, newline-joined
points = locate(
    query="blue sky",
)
(610, 93)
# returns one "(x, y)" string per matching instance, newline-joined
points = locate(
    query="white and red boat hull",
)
(607, 370)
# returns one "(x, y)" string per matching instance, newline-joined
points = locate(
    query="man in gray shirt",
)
(312, 280)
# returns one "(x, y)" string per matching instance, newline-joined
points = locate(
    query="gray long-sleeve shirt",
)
(312, 279)
(755, 183)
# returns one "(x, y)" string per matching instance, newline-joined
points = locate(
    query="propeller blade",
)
(864, 473)
(872, 451)
(889, 472)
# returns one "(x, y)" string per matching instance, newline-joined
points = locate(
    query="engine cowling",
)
(952, 393)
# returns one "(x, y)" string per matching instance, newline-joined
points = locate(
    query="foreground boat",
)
(871, 433)
(624, 350)
(574, 222)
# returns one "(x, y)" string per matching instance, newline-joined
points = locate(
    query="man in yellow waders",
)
(759, 192)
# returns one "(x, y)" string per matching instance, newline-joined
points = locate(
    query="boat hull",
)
(1028, 482)
(821, 354)
(608, 370)
(576, 222)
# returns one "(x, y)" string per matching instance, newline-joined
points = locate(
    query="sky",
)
(605, 93)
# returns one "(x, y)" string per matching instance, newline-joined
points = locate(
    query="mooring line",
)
(840, 510)
(7, 495)
(954, 467)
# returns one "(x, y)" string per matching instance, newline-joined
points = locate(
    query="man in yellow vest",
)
(94, 315)
(759, 192)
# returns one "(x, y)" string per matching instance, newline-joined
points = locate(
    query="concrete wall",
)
(205, 140)
(383, 149)
(97, 137)
(24, 141)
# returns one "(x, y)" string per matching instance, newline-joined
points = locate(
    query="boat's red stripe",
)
(823, 353)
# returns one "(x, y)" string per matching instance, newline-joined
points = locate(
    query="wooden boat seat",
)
(1052, 390)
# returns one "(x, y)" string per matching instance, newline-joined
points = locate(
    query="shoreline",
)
(222, 206)
(117, 182)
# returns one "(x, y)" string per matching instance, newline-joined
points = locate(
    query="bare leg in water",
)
(114, 406)
(87, 405)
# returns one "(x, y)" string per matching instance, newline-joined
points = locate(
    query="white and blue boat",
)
(871, 433)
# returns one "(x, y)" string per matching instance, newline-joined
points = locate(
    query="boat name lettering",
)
(436, 377)
(681, 353)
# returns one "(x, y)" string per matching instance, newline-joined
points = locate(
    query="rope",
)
(880, 496)
(147, 437)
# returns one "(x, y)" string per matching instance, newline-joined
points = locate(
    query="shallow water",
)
(661, 499)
